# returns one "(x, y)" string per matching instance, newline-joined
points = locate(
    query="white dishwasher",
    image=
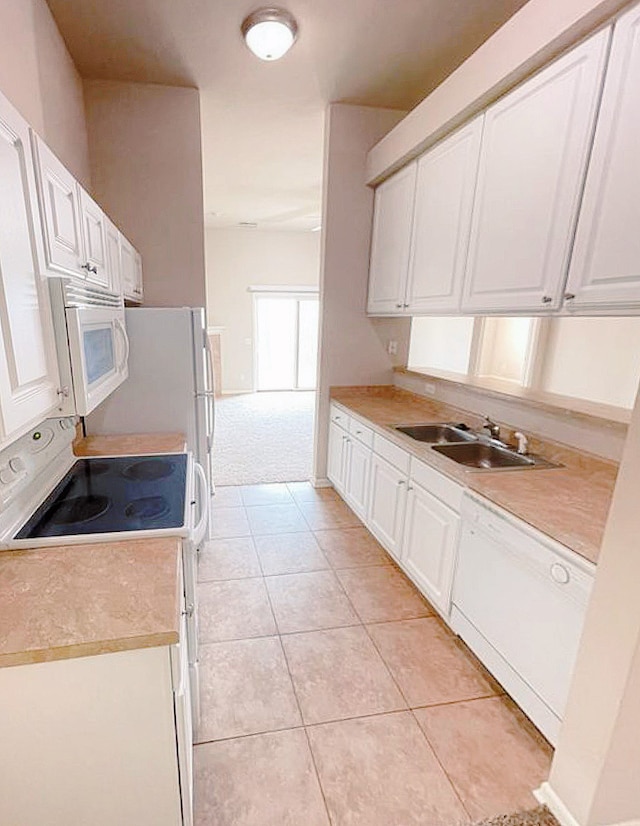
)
(519, 601)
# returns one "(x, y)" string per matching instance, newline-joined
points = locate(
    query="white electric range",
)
(50, 497)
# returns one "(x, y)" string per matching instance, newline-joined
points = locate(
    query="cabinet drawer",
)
(361, 432)
(437, 484)
(339, 417)
(394, 455)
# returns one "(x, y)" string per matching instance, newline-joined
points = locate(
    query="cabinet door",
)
(442, 221)
(336, 456)
(61, 213)
(28, 364)
(128, 268)
(95, 241)
(535, 146)
(113, 257)
(605, 267)
(390, 242)
(429, 546)
(387, 501)
(357, 476)
(138, 290)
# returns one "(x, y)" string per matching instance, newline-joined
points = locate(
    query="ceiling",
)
(262, 123)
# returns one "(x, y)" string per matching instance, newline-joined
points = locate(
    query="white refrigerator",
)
(170, 384)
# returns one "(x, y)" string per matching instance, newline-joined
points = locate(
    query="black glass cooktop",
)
(126, 493)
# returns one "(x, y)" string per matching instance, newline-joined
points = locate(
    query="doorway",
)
(286, 336)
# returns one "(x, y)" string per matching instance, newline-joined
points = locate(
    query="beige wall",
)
(146, 168)
(532, 37)
(40, 79)
(240, 258)
(352, 346)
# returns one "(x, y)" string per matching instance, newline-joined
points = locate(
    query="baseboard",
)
(322, 482)
(546, 795)
(235, 392)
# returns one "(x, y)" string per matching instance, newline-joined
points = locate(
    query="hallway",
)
(331, 693)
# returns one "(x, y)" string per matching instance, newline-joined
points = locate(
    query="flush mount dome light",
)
(270, 32)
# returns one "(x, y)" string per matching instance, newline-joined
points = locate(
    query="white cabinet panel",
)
(28, 364)
(61, 213)
(390, 242)
(95, 241)
(138, 290)
(387, 502)
(442, 221)
(131, 269)
(336, 458)
(605, 267)
(535, 147)
(357, 476)
(114, 266)
(429, 546)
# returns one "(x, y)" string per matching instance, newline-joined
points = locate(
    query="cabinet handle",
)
(399, 306)
(405, 305)
(559, 573)
(547, 299)
(358, 433)
(569, 296)
(189, 611)
(401, 482)
(410, 487)
(90, 268)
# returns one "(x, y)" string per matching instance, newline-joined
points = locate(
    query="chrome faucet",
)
(522, 442)
(492, 427)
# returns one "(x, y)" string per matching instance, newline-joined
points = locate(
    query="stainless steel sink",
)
(488, 456)
(437, 433)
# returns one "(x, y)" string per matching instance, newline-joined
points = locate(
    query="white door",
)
(605, 267)
(95, 241)
(29, 378)
(336, 457)
(429, 545)
(535, 146)
(61, 213)
(442, 221)
(387, 501)
(286, 341)
(390, 242)
(357, 476)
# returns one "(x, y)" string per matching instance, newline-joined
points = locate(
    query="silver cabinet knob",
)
(559, 573)
(569, 296)
(547, 299)
(399, 306)
(189, 610)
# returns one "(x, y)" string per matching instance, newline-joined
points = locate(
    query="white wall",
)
(441, 343)
(594, 358)
(146, 169)
(352, 346)
(237, 259)
(40, 79)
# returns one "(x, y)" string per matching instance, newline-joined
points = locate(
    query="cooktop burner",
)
(79, 509)
(112, 495)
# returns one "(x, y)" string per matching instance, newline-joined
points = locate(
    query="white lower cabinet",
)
(336, 458)
(105, 739)
(429, 545)
(387, 503)
(358, 463)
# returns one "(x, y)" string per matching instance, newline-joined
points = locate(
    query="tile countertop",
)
(569, 504)
(130, 444)
(81, 600)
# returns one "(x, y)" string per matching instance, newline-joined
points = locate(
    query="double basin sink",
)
(460, 444)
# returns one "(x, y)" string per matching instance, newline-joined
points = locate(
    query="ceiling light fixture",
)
(269, 32)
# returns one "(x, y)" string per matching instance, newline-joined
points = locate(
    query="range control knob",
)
(6, 476)
(17, 464)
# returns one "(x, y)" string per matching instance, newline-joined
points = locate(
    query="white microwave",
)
(92, 343)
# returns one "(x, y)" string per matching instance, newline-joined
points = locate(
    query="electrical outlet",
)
(392, 347)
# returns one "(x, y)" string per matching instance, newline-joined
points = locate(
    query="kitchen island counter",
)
(79, 600)
(570, 504)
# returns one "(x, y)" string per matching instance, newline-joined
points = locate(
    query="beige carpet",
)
(263, 437)
(540, 816)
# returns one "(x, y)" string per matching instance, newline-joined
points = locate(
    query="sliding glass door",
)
(286, 341)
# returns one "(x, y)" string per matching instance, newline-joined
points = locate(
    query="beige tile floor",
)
(332, 694)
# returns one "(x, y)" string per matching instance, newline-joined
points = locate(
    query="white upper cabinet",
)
(441, 221)
(131, 269)
(114, 265)
(29, 379)
(605, 267)
(95, 241)
(535, 147)
(61, 213)
(390, 242)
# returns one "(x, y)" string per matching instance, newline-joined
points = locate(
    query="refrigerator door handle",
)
(201, 528)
